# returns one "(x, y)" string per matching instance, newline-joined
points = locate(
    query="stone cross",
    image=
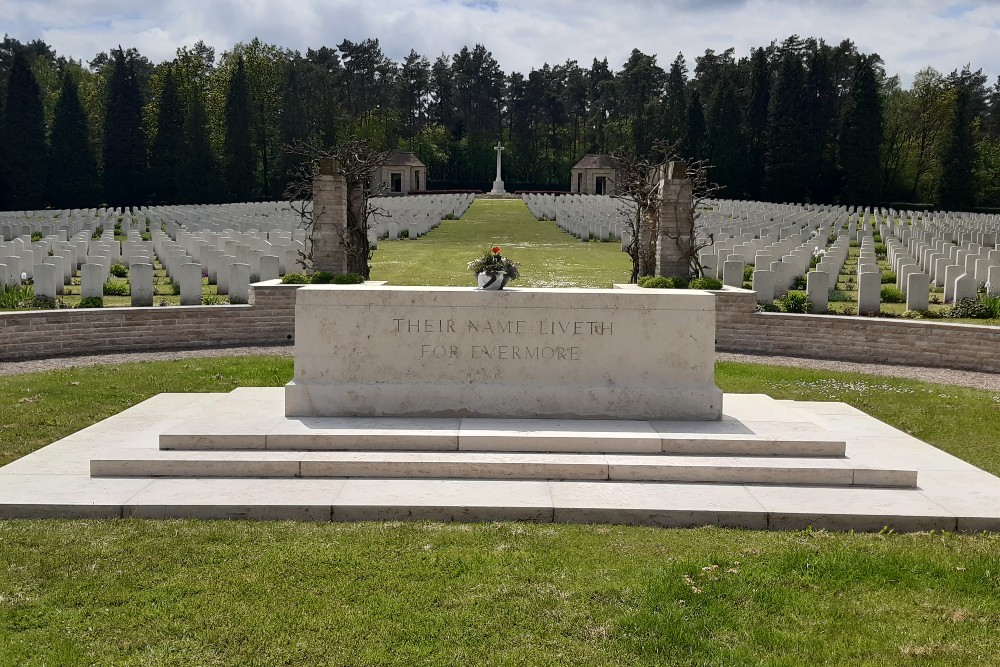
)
(498, 183)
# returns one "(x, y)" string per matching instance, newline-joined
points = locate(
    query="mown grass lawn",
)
(132, 592)
(549, 257)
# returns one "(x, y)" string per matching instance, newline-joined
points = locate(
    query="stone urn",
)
(492, 281)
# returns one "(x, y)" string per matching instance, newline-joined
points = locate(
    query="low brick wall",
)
(862, 339)
(269, 319)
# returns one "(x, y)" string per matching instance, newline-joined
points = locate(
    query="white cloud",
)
(525, 34)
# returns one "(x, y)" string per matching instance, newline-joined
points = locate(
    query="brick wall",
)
(269, 319)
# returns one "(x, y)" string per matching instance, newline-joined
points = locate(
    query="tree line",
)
(795, 121)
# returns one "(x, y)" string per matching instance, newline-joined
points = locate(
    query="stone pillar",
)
(676, 220)
(329, 218)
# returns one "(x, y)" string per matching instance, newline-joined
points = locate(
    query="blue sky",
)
(522, 34)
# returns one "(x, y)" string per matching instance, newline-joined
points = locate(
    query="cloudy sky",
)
(524, 34)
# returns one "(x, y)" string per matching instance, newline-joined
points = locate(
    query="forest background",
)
(798, 120)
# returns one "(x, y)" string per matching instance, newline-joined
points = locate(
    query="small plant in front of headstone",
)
(992, 304)
(91, 302)
(748, 270)
(921, 315)
(213, 300)
(116, 287)
(794, 302)
(972, 309)
(765, 307)
(294, 279)
(837, 296)
(175, 288)
(799, 282)
(327, 278)
(36, 236)
(15, 296)
(98, 232)
(888, 277)
(892, 294)
(118, 271)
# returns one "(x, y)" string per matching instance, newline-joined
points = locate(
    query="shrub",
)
(892, 294)
(146, 237)
(992, 303)
(116, 288)
(294, 279)
(662, 282)
(748, 273)
(764, 307)
(799, 282)
(889, 277)
(175, 288)
(36, 236)
(347, 279)
(41, 303)
(880, 251)
(403, 234)
(91, 302)
(854, 243)
(921, 315)
(213, 300)
(970, 309)
(98, 232)
(15, 296)
(794, 303)
(119, 271)
(705, 283)
(838, 296)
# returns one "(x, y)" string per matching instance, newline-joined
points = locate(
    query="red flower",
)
(495, 250)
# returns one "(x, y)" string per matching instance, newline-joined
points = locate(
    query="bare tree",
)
(637, 187)
(358, 163)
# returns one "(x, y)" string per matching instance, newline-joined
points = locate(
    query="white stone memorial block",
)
(60, 266)
(45, 281)
(917, 289)
(225, 262)
(239, 283)
(91, 281)
(141, 284)
(951, 274)
(269, 267)
(869, 292)
(965, 287)
(732, 273)
(366, 350)
(763, 285)
(993, 281)
(818, 290)
(189, 278)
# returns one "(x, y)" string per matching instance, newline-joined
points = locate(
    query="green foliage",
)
(97, 232)
(36, 236)
(403, 234)
(957, 190)
(892, 294)
(921, 315)
(888, 277)
(881, 252)
(799, 282)
(294, 279)
(15, 296)
(213, 300)
(663, 282)
(116, 288)
(71, 152)
(327, 278)
(119, 271)
(492, 261)
(168, 144)
(794, 302)
(124, 137)
(838, 296)
(238, 152)
(22, 138)
(970, 309)
(91, 302)
(748, 270)
(992, 304)
(705, 283)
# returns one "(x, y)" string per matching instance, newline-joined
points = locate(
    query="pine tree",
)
(957, 190)
(125, 171)
(821, 94)
(293, 121)
(758, 103)
(786, 162)
(675, 109)
(240, 159)
(861, 139)
(166, 155)
(694, 133)
(73, 177)
(23, 138)
(727, 150)
(199, 171)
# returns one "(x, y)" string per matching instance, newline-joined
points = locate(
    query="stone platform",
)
(766, 464)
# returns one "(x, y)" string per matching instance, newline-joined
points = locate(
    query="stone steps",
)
(492, 435)
(498, 466)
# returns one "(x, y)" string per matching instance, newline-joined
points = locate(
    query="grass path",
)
(549, 257)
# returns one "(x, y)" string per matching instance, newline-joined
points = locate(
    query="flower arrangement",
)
(493, 262)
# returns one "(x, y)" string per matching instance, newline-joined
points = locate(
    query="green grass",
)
(130, 592)
(549, 257)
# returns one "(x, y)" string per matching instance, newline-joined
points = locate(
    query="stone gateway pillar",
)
(329, 218)
(675, 236)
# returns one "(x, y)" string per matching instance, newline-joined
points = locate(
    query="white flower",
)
(24, 275)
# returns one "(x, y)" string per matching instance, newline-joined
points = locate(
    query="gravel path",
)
(988, 381)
